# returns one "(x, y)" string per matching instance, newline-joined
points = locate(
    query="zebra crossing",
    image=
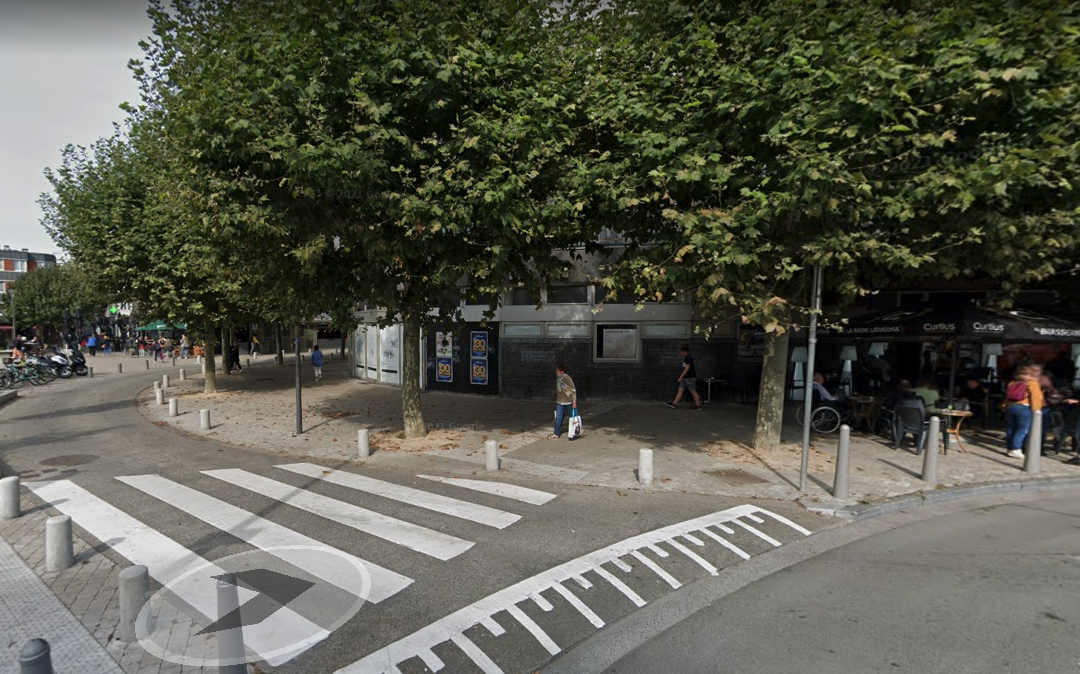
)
(174, 566)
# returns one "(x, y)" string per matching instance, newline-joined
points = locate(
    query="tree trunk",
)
(770, 414)
(410, 378)
(279, 346)
(210, 381)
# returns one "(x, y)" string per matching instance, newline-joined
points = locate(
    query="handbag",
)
(576, 428)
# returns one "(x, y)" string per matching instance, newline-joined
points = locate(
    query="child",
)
(316, 361)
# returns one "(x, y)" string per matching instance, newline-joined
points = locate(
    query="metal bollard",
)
(134, 588)
(164, 381)
(90, 370)
(247, 363)
(147, 365)
(1033, 455)
(841, 479)
(174, 407)
(930, 454)
(362, 443)
(35, 657)
(645, 467)
(183, 375)
(230, 641)
(160, 396)
(204, 419)
(119, 368)
(59, 550)
(491, 449)
(9, 498)
(174, 361)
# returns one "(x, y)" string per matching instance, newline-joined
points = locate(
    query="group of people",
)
(1032, 392)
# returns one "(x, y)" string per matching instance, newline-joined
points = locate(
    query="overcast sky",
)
(63, 74)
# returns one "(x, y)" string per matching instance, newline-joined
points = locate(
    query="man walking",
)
(91, 343)
(565, 397)
(687, 381)
(316, 361)
(184, 346)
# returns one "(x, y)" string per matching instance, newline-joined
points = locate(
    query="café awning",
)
(157, 326)
(964, 323)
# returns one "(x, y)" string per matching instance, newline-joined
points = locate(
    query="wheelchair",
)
(826, 416)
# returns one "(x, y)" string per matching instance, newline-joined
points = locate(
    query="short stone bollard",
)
(645, 467)
(35, 657)
(174, 407)
(9, 498)
(198, 360)
(59, 549)
(183, 375)
(90, 372)
(159, 396)
(164, 381)
(1033, 455)
(119, 368)
(157, 386)
(840, 480)
(204, 419)
(231, 654)
(362, 443)
(930, 454)
(134, 588)
(491, 449)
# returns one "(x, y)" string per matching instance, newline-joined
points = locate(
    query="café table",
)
(949, 429)
(863, 408)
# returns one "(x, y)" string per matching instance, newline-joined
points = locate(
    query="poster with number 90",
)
(479, 371)
(479, 344)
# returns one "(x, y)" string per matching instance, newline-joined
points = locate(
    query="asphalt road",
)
(90, 432)
(995, 589)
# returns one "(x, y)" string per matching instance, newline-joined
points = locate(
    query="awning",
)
(965, 323)
(161, 325)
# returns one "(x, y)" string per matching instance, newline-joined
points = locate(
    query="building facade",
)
(15, 263)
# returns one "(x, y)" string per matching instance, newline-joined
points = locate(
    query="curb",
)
(861, 512)
(8, 396)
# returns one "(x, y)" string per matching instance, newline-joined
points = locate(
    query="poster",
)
(479, 368)
(444, 370)
(620, 343)
(444, 345)
(479, 348)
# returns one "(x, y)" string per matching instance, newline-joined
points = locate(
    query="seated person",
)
(973, 392)
(928, 392)
(820, 390)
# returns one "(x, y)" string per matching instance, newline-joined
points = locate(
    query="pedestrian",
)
(253, 346)
(316, 361)
(687, 381)
(234, 357)
(565, 397)
(106, 345)
(1023, 399)
(184, 345)
(91, 343)
(159, 346)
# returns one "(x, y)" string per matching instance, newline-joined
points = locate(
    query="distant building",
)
(15, 263)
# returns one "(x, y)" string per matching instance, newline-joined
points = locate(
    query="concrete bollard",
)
(164, 381)
(1033, 455)
(90, 372)
(491, 449)
(59, 549)
(159, 396)
(35, 657)
(231, 641)
(645, 467)
(247, 363)
(362, 443)
(183, 375)
(841, 480)
(157, 386)
(147, 365)
(174, 361)
(204, 419)
(174, 407)
(9, 498)
(119, 368)
(930, 454)
(198, 360)
(134, 588)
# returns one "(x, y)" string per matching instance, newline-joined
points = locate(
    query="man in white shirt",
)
(819, 388)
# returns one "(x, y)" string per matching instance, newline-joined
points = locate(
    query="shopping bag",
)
(576, 429)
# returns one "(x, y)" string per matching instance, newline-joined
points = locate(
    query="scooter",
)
(78, 361)
(61, 364)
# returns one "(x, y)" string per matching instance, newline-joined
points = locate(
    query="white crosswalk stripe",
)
(511, 491)
(265, 534)
(412, 536)
(422, 499)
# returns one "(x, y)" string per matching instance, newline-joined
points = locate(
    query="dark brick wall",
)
(528, 365)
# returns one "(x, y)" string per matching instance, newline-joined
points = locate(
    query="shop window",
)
(670, 330)
(617, 341)
(522, 330)
(568, 295)
(563, 330)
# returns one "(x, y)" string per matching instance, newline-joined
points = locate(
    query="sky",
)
(63, 75)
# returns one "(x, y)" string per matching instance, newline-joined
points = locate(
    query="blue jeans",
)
(1017, 426)
(561, 412)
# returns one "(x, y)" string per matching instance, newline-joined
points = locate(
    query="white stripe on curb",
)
(511, 491)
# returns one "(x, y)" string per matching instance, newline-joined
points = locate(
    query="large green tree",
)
(49, 296)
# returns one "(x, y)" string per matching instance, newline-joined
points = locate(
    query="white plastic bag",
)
(576, 429)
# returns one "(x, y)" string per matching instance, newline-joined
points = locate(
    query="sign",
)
(479, 348)
(444, 345)
(620, 343)
(444, 370)
(479, 370)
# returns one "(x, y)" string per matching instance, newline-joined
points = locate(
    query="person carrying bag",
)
(565, 399)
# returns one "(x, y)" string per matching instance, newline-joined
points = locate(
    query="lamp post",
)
(808, 393)
(848, 354)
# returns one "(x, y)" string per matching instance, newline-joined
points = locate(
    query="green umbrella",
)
(161, 325)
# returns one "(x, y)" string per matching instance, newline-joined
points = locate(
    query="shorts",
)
(690, 383)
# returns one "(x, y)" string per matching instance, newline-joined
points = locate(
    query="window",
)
(563, 330)
(568, 295)
(616, 341)
(519, 297)
(522, 330)
(20, 265)
(667, 330)
(480, 300)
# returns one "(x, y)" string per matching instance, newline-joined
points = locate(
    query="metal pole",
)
(299, 416)
(808, 392)
(1033, 456)
(929, 461)
(840, 480)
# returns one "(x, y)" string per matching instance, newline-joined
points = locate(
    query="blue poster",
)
(479, 369)
(444, 369)
(479, 346)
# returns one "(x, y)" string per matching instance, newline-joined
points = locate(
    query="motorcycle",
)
(60, 364)
(77, 361)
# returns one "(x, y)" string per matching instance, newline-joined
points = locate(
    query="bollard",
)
(9, 498)
(157, 386)
(159, 396)
(36, 657)
(164, 381)
(183, 375)
(843, 449)
(134, 588)
(230, 641)
(90, 372)
(247, 363)
(198, 360)
(491, 448)
(204, 419)
(119, 368)
(174, 407)
(645, 467)
(59, 550)
(362, 443)
(930, 454)
(147, 365)
(174, 361)
(1033, 455)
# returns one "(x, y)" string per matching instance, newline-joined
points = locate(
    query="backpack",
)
(1017, 392)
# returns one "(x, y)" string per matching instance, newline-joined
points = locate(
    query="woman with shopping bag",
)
(565, 400)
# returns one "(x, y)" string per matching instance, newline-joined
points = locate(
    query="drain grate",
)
(71, 460)
(736, 476)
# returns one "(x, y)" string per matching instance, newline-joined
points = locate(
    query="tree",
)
(48, 296)
(739, 147)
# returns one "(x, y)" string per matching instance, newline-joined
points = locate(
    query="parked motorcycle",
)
(77, 361)
(60, 364)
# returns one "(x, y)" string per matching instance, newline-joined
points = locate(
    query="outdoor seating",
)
(911, 418)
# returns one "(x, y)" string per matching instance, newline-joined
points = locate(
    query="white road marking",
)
(694, 539)
(620, 586)
(760, 534)
(724, 542)
(621, 565)
(668, 578)
(495, 628)
(465, 510)
(412, 536)
(539, 600)
(264, 534)
(783, 520)
(511, 491)
(386, 659)
(660, 552)
(700, 561)
(168, 561)
(538, 632)
(486, 664)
